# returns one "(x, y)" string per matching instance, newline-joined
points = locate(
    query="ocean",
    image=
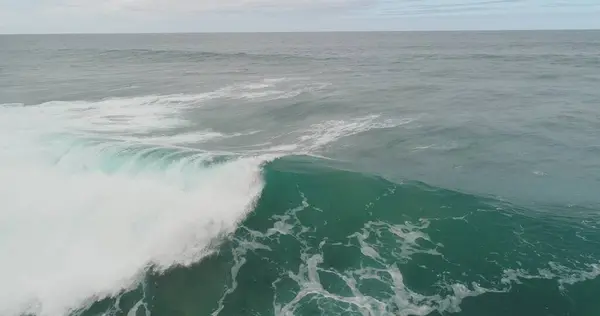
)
(411, 173)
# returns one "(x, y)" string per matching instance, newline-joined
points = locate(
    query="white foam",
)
(194, 137)
(73, 236)
(407, 236)
(402, 300)
(539, 173)
(154, 112)
(322, 134)
(72, 233)
(555, 271)
(317, 137)
(183, 138)
(270, 89)
(121, 115)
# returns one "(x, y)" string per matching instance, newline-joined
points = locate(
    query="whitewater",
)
(71, 221)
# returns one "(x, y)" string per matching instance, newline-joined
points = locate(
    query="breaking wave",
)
(111, 206)
(98, 193)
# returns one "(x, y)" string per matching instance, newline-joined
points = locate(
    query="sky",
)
(157, 16)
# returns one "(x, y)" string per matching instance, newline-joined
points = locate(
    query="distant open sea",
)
(417, 173)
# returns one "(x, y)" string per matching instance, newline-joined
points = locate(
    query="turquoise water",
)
(300, 174)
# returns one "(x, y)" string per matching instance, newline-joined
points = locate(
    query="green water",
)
(328, 241)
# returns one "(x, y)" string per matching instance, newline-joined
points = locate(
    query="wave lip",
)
(95, 234)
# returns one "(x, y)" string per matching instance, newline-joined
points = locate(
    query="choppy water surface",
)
(300, 174)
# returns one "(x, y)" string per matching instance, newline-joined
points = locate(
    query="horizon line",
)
(310, 32)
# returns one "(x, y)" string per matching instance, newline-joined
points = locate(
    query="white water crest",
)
(82, 220)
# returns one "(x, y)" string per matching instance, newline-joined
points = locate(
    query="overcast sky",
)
(133, 16)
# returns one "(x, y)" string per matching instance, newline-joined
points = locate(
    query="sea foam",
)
(74, 231)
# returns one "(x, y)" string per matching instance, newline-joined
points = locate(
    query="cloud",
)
(42, 16)
(199, 6)
(402, 8)
(425, 8)
(382, 8)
